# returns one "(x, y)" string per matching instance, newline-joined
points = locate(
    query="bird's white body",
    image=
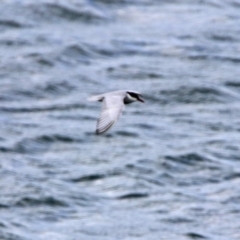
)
(113, 105)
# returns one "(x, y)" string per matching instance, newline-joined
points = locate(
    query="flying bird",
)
(112, 107)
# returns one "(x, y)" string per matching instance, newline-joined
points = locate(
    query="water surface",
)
(169, 169)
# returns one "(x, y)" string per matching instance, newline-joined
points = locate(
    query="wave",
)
(39, 144)
(34, 201)
(133, 195)
(31, 108)
(194, 95)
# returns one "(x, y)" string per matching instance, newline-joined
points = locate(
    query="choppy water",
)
(169, 169)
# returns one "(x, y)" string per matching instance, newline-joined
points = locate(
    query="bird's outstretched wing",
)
(112, 108)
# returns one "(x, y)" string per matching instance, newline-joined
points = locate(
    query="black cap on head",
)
(138, 96)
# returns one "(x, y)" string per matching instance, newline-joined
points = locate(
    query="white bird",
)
(112, 107)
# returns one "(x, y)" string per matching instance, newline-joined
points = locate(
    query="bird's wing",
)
(111, 110)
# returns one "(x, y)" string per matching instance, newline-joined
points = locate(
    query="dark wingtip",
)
(98, 132)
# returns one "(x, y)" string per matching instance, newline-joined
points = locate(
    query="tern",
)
(112, 107)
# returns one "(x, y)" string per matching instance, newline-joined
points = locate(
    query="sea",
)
(169, 169)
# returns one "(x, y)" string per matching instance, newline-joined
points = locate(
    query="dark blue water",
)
(169, 169)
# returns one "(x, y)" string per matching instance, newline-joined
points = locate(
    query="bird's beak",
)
(140, 99)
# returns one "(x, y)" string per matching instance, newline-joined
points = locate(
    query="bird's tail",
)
(96, 98)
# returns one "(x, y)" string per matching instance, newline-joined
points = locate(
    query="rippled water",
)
(169, 169)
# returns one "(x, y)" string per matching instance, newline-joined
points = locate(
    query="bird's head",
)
(134, 96)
